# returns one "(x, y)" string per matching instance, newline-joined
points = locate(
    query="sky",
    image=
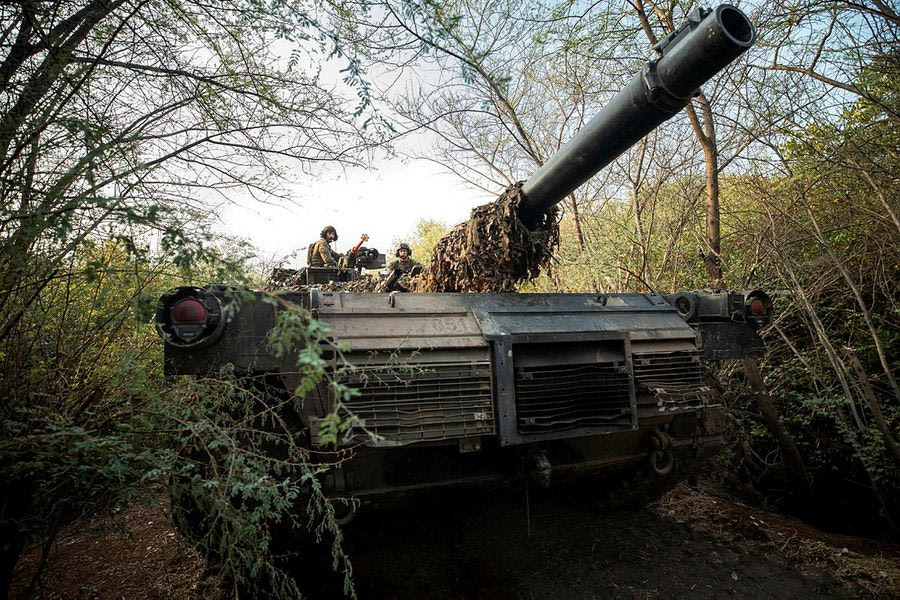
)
(384, 202)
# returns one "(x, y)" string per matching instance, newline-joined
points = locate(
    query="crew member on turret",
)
(320, 253)
(404, 261)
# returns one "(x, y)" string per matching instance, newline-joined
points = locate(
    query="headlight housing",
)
(190, 317)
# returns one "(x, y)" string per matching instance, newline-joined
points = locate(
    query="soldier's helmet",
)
(327, 230)
(403, 246)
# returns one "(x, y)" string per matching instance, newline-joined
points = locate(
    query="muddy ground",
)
(692, 543)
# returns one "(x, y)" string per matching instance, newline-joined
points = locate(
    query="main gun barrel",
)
(690, 56)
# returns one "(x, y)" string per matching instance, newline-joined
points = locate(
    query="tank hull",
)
(469, 389)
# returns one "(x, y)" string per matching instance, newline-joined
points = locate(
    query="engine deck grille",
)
(667, 369)
(558, 398)
(422, 403)
(674, 379)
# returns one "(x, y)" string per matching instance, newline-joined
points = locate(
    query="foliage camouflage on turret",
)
(492, 251)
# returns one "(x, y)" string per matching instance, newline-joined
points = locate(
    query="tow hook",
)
(661, 458)
(538, 468)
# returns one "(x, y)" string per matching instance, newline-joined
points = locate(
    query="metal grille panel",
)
(667, 369)
(423, 403)
(674, 379)
(558, 398)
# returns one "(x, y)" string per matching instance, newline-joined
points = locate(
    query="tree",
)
(122, 124)
(705, 133)
(424, 238)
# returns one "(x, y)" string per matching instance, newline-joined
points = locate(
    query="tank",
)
(470, 389)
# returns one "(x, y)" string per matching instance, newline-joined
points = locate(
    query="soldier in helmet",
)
(404, 261)
(320, 253)
(398, 269)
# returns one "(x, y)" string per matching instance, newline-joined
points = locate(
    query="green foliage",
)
(247, 485)
(91, 424)
(122, 125)
(617, 258)
(424, 238)
(825, 241)
(297, 333)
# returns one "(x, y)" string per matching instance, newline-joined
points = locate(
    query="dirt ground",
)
(132, 554)
(689, 544)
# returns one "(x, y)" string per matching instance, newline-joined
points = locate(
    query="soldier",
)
(398, 269)
(320, 253)
(404, 261)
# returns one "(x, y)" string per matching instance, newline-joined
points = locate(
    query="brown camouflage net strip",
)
(366, 283)
(492, 251)
(279, 281)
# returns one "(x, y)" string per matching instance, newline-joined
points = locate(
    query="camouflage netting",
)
(492, 251)
(365, 283)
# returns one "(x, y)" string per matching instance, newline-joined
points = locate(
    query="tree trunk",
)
(789, 450)
(577, 218)
(875, 406)
(706, 135)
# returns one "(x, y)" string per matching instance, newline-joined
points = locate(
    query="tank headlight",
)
(758, 308)
(189, 317)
